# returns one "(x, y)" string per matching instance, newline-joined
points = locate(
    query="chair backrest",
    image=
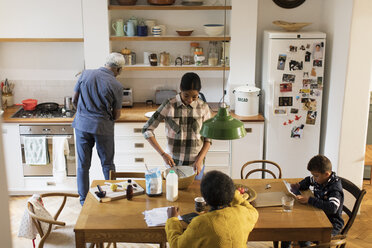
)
(260, 170)
(358, 194)
(114, 175)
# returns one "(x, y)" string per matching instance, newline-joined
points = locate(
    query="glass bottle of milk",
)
(172, 186)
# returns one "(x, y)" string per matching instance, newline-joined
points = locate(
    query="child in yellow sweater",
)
(227, 224)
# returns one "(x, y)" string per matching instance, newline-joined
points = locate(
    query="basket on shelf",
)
(127, 2)
(291, 26)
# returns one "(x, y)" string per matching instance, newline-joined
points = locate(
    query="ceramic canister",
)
(156, 31)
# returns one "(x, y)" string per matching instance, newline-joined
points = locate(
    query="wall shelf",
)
(41, 40)
(169, 38)
(166, 7)
(143, 67)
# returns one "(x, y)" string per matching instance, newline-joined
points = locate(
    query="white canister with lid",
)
(246, 100)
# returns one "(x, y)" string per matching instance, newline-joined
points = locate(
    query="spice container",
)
(193, 46)
(198, 57)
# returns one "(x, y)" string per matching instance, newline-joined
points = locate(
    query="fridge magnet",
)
(285, 101)
(297, 117)
(318, 52)
(308, 104)
(311, 117)
(294, 110)
(292, 48)
(290, 121)
(289, 78)
(319, 80)
(295, 65)
(296, 132)
(313, 86)
(285, 123)
(280, 111)
(313, 72)
(286, 87)
(317, 62)
(304, 91)
(307, 56)
(317, 93)
(307, 46)
(302, 47)
(297, 98)
(306, 75)
(307, 81)
(281, 61)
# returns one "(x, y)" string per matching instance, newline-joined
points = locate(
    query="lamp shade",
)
(223, 126)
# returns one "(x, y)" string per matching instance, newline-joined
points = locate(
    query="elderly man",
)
(98, 100)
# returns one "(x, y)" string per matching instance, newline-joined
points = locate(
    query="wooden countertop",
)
(128, 114)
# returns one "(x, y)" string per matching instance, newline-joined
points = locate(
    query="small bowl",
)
(291, 26)
(213, 29)
(184, 32)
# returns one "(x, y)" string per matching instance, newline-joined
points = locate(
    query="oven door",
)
(47, 169)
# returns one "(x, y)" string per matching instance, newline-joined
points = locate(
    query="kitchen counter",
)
(133, 114)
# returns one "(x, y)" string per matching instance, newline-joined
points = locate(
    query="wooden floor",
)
(360, 235)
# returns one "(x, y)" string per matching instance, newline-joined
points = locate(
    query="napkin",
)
(157, 216)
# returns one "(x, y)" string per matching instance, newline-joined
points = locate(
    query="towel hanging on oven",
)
(36, 150)
(60, 149)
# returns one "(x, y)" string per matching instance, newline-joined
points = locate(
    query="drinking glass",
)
(287, 203)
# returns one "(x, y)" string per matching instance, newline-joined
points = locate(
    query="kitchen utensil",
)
(162, 95)
(127, 2)
(291, 26)
(161, 2)
(118, 26)
(213, 29)
(184, 32)
(68, 103)
(142, 30)
(47, 106)
(246, 100)
(29, 104)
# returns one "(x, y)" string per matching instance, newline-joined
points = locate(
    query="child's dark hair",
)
(217, 189)
(190, 81)
(319, 163)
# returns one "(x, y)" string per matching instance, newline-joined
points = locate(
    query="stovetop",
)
(37, 113)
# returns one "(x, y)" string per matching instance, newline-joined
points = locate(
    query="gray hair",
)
(115, 60)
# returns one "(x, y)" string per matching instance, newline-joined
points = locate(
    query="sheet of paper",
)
(293, 192)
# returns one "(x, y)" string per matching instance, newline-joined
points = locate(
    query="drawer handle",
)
(139, 145)
(137, 130)
(248, 130)
(139, 160)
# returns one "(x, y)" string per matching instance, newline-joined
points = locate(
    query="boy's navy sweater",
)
(329, 198)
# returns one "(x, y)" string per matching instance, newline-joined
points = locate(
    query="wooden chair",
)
(337, 241)
(66, 235)
(260, 170)
(114, 175)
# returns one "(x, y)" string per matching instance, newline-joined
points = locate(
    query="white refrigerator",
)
(292, 83)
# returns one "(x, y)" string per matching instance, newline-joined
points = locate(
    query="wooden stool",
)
(368, 160)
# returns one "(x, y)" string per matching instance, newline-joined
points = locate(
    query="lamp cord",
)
(223, 54)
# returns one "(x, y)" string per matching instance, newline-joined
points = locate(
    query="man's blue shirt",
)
(99, 94)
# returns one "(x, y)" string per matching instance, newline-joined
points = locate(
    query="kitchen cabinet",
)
(248, 148)
(173, 17)
(41, 20)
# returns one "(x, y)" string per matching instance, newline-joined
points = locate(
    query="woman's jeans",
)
(84, 145)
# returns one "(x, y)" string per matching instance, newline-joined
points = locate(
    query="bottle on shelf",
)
(172, 186)
(213, 53)
(193, 46)
(199, 56)
(129, 190)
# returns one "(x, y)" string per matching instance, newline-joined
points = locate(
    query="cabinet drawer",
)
(217, 159)
(135, 144)
(135, 129)
(138, 159)
(138, 168)
(220, 146)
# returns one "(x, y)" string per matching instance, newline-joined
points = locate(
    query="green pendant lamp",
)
(223, 126)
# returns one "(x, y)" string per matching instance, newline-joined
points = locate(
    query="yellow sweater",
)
(227, 227)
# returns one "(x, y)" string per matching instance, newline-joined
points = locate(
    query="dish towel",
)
(60, 149)
(36, 150)
(27, 229)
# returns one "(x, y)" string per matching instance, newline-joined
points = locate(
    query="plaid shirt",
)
(182, 128)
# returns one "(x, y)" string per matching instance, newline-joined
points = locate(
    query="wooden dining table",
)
(123, 220)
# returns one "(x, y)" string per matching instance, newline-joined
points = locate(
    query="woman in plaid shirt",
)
(183, 115)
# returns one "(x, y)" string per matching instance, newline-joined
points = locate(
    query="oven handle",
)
(50, 136)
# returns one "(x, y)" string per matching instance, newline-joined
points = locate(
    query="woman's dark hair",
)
(190, 81)
(319, 163)
(217, 189)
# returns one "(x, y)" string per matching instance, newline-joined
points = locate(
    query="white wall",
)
(5, 236)
(336, 23)
(356, 100)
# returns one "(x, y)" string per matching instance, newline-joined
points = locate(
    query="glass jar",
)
(193, 46)
(199, 56)
(213, 53)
